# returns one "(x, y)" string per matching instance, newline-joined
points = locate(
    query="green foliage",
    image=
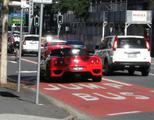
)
(79, 7)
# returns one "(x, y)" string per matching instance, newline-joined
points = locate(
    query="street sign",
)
(43, 1)
(24, 4)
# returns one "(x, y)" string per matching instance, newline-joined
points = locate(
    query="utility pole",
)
(3, 67)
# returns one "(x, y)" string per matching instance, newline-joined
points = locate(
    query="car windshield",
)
(69, 52)
(131, 43)
(32, 38)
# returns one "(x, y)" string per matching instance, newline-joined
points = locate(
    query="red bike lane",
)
(106, 98)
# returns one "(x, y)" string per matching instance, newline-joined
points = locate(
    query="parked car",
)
(16, 37)
(10, 46)
(30, 44)
(130, 53)
(66, 61)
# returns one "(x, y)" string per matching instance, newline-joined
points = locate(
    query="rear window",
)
(32, 38)
(69, 52)
(74, 42)
(55, 43)
(131, 43)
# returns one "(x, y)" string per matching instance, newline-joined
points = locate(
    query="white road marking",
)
(23, 60)
(13, 62)
(122, 113)
(151, 74)
(122, 83)
(27, 71)
(152, 91)
(29, 61)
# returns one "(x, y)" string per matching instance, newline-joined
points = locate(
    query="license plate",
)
(77, 68)
(132, 55)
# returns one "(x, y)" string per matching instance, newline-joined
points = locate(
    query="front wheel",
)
(131, 72)
(145, 72)
(107, 69)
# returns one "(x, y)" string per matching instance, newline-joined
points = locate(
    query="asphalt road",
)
(138, 84)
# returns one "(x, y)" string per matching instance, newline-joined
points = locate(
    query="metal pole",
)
(39, 56)
(19, 65)
(103, 26)
(59, 27)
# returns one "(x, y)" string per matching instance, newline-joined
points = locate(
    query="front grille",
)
(96, 70)
(57, 71)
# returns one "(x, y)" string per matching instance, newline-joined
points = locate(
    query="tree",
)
(79, 7)
(3, 67)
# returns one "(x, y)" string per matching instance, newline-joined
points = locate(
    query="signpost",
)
(39, 50)
(59, 22)
(31, 10)
(23, 2)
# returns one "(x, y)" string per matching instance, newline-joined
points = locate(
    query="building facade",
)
(111, 11)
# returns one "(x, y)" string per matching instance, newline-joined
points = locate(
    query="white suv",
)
(130, 53)
(30, 44)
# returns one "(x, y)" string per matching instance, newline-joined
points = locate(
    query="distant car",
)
(130, 53)
(30, 44)
(10, 45)
(67, 61)
(16, 37)
(75, 43)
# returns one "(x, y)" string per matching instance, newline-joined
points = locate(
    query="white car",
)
(130, 53)
(30, 44)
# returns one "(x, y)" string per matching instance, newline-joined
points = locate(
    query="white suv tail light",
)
(147, 41)
(115, 43)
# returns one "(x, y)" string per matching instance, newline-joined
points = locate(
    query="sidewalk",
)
(21, 106)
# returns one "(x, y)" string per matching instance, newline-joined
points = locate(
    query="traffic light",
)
(36, 21)
(60, 19)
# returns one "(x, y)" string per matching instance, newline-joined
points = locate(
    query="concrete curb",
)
(74, 113)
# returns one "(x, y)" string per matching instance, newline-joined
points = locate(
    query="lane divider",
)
(123, 113)
(27, 71)
(114, 81)
(29, 61)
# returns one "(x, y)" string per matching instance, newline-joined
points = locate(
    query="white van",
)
(130, 53)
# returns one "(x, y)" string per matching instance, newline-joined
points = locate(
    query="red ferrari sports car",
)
(72, 62)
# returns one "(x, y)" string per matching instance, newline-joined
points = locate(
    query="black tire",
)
(145, 72)
(22, 53)
(97, 79)
(131, 71)
(47, 72)
(107, 69)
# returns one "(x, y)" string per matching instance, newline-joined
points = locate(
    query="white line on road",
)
(27, 71)
(152, 91)
(122, 113)
(122, 83)
(13, 62)
(151, 74)
(29, 61)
